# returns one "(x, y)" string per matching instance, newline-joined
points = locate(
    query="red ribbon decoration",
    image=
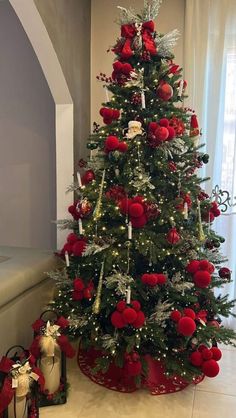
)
(62, 341)
(129, 32)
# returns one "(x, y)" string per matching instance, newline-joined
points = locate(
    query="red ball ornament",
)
(78, 284)
(161, 278)
(211, 268)
(190, 313)
(77, 295)
(144, 278)
(202, 279)
(213, 324)
(152, 126)
(161, 133)
(206, 354)
(151, 280)
(193, 266)
(202, 347)
(124, 205)
(111, 143)
(136, 210)
(210, 368)
(67, 248)
(216, 353)
(225, 273)
(79, 247)
(133, 368)
(121, 306)
(196, 359)
(136, 305)
(107, 121)
(115, 114)
(173, 237)
(87, 293)
(203, 265)
(106, 112)
(175, 315)
(139, 321)
(117, 320)
(72, 238)
(171, 132)
(164, 122)
(186, 326)
(123, 147)
(129, 315)
(88, 177)
(139, 222)
(165, 91)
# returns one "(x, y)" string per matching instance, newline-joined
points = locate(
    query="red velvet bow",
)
(129, 31)
(62, 341)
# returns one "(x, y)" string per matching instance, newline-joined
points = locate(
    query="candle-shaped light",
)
(67, 259)
(143, 101)
(51, 369)
(181, 86)
(185, 211)
(128, 295)
(18, 408)
(79, 179)
(81, 231)
(106, 93)
(129, 230)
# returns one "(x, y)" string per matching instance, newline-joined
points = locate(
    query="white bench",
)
(24, 291)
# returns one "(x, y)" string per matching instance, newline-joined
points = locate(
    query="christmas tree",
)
(143, 259)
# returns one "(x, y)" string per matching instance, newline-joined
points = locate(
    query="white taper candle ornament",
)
(185, 211)
(143, 99)
(67, 259)
(51, 369)
(128, 296)
(129, 230)
(106, 93)
(81, 231)
(79, 179)
(181, 86)
(21, 409)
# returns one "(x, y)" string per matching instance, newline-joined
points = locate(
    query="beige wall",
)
(104, 33)
(68, 25)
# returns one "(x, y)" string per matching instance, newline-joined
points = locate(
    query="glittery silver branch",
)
(76, 322)
(151, 9)
(166, 43)
(161, 313)
(141, 180)
(96, 163)
(94, 249)
(150, 12)
(109, 342)
(178, 282)
(60, 276)
(119, 281)
(66, 224)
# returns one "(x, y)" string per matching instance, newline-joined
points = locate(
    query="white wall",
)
(27, 142)
(104, 33)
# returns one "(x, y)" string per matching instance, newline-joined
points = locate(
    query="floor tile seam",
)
(216, 393)
(194, 394)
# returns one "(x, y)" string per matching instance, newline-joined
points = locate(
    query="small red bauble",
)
(79, 247)
(121, 306)
(124, 205)
(210, 368)
(106, 112)
(152, 126)
(144, 278)
(193, 266)
(78, 284)
(171, 132)
(175, 315)
(186, 326)
(117, 320)
(122, 147)
(216, 353)
(87, 293)
(88, 177)
(152, 280)
(202, 279)
(136, 210)
(134, 368)
(165, 91)
(161, 278)
(213, 324)
(206, 354)
(161, 133)
(225, 273)
(173, 237)
(111, 143)
(139, 321)
(115, 114)
(136, 305)
(164, 122)
(203, 265)
(139, 222)
(211, 268)
(129, 315)
(196, 359)
(202, 347)
(190, 313)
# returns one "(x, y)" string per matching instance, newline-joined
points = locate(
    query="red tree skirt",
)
(116, 378)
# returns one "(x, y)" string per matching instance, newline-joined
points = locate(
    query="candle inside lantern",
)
(18, 405)
(79, 179)
(185, 211)
(80, 227)
(51, 369)
(129, 230)
(128, 296)
(143, 99)
(67, 259)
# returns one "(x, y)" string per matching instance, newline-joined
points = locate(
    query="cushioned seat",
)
(24, 291)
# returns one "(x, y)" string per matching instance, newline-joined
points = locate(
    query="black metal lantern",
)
(19, 384)
(51, 347)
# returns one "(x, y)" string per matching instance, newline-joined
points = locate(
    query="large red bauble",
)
(72, 238)
(139, 222)
(193, 266)
(211, 268)
(121, 306)
(88, 177)
(164, 122)
(225, 273)
(123, 147)
(216, 352)
(196, 359)
(79, 247)
(165, 91)
(175, 315)
(152, 126)
(151, 280)
(202, 279)
(136, 305)
(206, 354)
(203, 265)
(124, 205)
(136, 210)
(129, 315)
(171, 132)
(186, 326)
(161, 278)
(133, 368)
(117, 320)
(111, 143)
(78, 284)
(210, 368)
(106, 113)
(190, 313)
(139, 321)
(173, 237)
(161, 133)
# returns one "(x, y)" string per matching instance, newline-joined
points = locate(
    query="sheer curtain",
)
(210, 69)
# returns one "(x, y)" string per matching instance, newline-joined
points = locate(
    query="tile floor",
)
(213, 398)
